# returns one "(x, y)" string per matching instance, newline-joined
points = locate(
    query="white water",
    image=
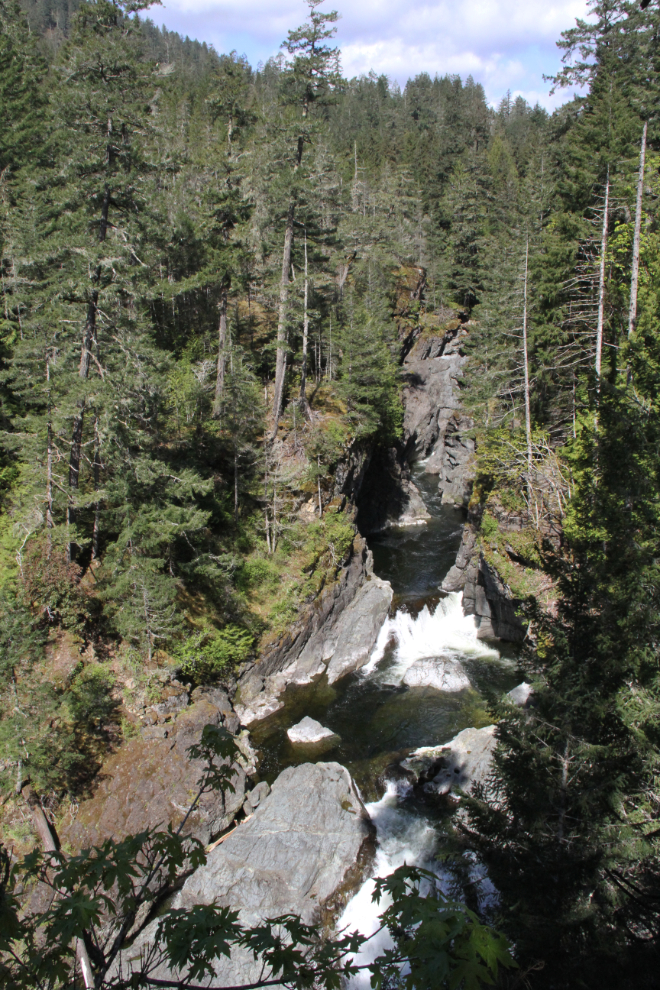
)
(445, 633)
(403, 836)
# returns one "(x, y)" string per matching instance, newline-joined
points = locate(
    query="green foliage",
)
(206, 655)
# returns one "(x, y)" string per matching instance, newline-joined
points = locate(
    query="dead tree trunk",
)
(49, 845)
(303, 371)
(634, 275)
(280, 362)
(601, 283)
(222, 346)
(528, 415)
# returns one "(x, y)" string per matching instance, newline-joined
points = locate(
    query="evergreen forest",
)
(211, 275)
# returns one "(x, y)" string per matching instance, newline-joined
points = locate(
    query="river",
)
(378, 720)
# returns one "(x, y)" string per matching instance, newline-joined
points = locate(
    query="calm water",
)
(378, 720)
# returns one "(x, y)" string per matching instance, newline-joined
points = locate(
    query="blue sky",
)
(503, 45)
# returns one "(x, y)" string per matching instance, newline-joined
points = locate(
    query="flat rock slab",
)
(464, 761)
(304, 851)
(309, 732)
(441, 675)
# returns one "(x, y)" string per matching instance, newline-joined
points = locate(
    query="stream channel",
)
(379, 720)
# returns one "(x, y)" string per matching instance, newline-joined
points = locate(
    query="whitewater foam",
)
(445, 633)
(402, 838)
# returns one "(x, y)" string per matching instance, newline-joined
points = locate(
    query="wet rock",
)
(358, 628)
(308, 732)
(484, 593)
(337, 638)
(388, 496)
(521, 694)
(441, 675)
(463, 762)
(304, 850)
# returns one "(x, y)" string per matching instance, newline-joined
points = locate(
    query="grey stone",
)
(171, 706)
(441, 675)
(303, 851)
(308, 732)
(358, 628)
(258, 793)
(521, 694)
(460, 764)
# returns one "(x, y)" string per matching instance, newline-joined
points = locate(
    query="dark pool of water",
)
(376, 722)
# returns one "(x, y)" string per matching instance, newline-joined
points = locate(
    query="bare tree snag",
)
(634, 275)
(303, 371)
(49, 845)
(280, 363)
(222, 358)
(528, 415)
(601, 282)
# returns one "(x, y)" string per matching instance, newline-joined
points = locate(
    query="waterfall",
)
(402, 838)
(445, 633)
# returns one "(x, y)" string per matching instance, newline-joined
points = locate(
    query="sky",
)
(503, 44)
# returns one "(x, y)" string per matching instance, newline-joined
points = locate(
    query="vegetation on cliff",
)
(209, 275)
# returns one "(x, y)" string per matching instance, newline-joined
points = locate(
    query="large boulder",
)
(303, 852)
(309, 732)
(441, 675)
(457, 766)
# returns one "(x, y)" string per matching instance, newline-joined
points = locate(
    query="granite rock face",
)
(464, 761)
(484, 593)
(435, 427)
(441, 675)
(337, 636)
(303, 852)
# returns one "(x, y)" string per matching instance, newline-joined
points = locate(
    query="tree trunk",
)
(634, 276)
(601, 283)
(528, 415)
(235, 485)
(280, 363)
(303, 370)
(47, 838)
(222, 345)
(97, 471)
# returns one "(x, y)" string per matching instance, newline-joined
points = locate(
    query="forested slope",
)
(207, 297)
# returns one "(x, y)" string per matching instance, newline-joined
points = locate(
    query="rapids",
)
(379, 720)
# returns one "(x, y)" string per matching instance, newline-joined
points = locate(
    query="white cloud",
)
(502, 45)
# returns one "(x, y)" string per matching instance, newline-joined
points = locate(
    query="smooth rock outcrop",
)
(358, 629)
(309, 732)
(521, 694)
(441, 675)
(338, 641)
(303, 852)
(459, 765)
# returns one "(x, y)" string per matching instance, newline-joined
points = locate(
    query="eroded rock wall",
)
(335, 635)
